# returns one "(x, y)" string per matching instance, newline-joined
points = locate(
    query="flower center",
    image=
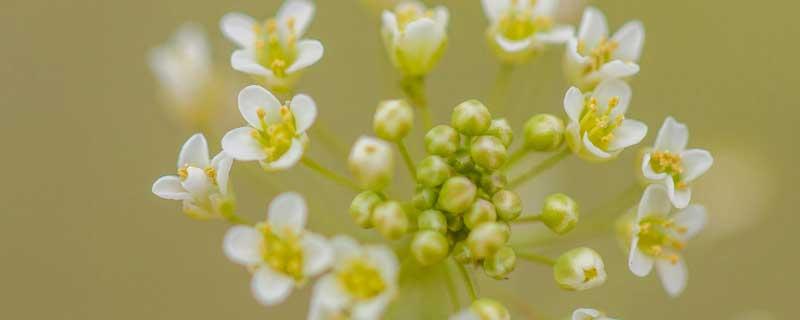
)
(598, 123)
(657, 233)
(409, 12)
(282, 253)
(361, 279)
(183, 173)
(669, 163)
(589, 274)
(276, 50)
(275, 138)
(599, 55)
(518, 24)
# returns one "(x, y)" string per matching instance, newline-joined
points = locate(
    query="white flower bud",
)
(457, 195)
(500, 129)
(486, 239)
(579, 269)
(433, 171)
(508, 205)
(560, 213)
(481, 211)
(362, 206)
(429, 247)
(544, 132)
(433, 220)
(488, 309)
(390, 219)
(489, 152)
(393, 120)
(371, 162)
(471, 118)
(501, 263)
(442, 140)
(415, 37)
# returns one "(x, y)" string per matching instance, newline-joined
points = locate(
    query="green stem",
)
(473, 294)
(541, 167)
(532, 218)
(329, 174)
(451, 286)
(401, 146)
(414, 88)
(533, 257)
(233, 218)
(499, 98)
(516, 156)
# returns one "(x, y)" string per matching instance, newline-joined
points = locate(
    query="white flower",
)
(520, 28)
(592, 57)
(415, 37)
(598, 130)
(659, 235)
(183, 65)
(668, 162)
(201, 184)
(277, 135)
(589, 314)
(362, 283)
(280, 253)
(274, 50)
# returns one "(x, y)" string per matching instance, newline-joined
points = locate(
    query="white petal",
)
(240, 144)
(305, 112)
(222, 164)
(695, 163)
(495, 8)
(613, 89)
(385, 260)
(420, 42)
(302, 11)
(170, 188)
(317, 254)
(371, 309)
(389, 24)
(680, 197)
(639, 263)
(673, 136)
(583, 314)
(308, 53)
(559, 34)
(673, 276)
(693, 218)
(288, 159)
(512, 46)
(594, 150)
(238, 28)
(572, 56)
(345, 248)
(573, 104)
(242, 245)
(329, 294)
(545, 8)
(654, 202)
(194, 152)
(629, 133)
(197, 182)
(630, 40)
(616, 69)
(288, 211)
(647, 169)
(253, 98)
(245, 61)
(442, 16)
(593, 27)
(269, 287)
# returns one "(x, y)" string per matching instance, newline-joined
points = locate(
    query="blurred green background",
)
(84, 134)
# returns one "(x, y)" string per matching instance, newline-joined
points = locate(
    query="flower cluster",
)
(465, 202)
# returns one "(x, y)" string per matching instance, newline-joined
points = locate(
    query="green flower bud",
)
(471, 118)
(488, 309)
(494, 182)
(500, 129)
(461, 253)
(544, 132)
(501, 263)
(371, 162)
(455, 223)
(457, 195)
(433, 220)
(462, 161)
(362, 206)
(481, 211)
(560, 213)
(390, 219)
(433, 171)
(508, 204)
(489, 152)
(442, 140)
(393, 120)
(486, 239)
(429, 247)
(424, 198)
(579, 269)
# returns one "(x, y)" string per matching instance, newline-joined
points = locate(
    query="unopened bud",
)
(433, 171)
(390, 219)
(442, 140)
(500, 129)
(501, 263)
(579, 269)
(362, 206)
(393, 120)
(371, 163)
(560, 213)
(544, 132)
(486, 239)
(424, 198)
(489, 152)
(462, 161)
(488, 309)
(471, 118)
(429, 247)
(433, 220)
(457, 195)
(481, 211)
(494, 182)
(508, 205)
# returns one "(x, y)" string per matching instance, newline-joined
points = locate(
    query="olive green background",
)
(84, 136)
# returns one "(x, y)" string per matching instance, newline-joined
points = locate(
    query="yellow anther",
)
(290, 23)
(255, 134)
(589, 274)
(183, 172)
(613, 102)
(261, 113)
(260, 44)
(678, 244)
(681, 229)
(657, 250)
(271, 25)
(212, 174)
(673, 259)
